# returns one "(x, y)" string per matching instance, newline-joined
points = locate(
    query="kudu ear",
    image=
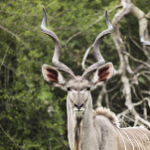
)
(102, 75)
(52, 76)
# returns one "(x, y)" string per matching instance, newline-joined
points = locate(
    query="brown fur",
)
(107, 113)
(52, 75)
(103, 74)
(77, 134)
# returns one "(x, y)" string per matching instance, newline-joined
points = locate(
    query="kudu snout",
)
(78, 106)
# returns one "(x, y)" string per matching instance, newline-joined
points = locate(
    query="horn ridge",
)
(57, 53)
(96, 51)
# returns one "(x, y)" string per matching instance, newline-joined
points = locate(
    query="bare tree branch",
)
(8, 136)
(4, 57)
(13, 34)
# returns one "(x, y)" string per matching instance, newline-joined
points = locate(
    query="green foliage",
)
(32, 115)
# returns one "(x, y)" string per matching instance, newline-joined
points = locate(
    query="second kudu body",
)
(88, 129)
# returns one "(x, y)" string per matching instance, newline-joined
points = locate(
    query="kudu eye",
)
(88, 89)
(68, 89)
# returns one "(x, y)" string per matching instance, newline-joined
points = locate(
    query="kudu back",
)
(88, 129)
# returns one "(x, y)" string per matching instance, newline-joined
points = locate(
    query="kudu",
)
(88, 129)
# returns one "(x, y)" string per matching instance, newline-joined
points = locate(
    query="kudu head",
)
(78, 87)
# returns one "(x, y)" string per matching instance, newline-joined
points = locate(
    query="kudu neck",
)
(80, 128)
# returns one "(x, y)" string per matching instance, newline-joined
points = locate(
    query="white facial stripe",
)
(82, 91)
(74, 91)
(81, 109)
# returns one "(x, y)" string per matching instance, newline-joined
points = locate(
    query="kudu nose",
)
(78, 106)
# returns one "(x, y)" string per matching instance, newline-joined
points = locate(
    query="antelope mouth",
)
(78, 112)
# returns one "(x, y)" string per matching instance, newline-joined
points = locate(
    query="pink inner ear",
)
(103, 74)
(52, 75)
